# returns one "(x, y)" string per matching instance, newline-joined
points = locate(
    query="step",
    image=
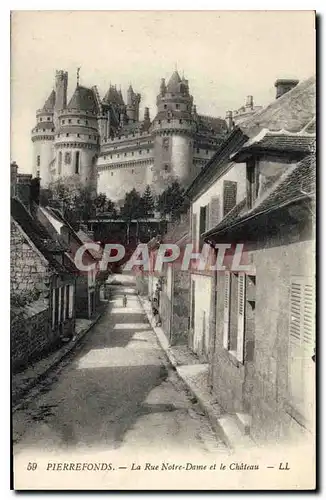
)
(232, 433)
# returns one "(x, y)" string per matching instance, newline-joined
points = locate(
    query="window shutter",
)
(59, 306)
(194, 231)
(227, 282)
(53, 307)
(241, 315)
(229, 196)
(301, 346)
(202, 220)
(71, 300)
(214, 212)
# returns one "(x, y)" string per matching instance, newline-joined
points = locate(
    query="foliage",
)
(131, 208)
(172, 201)
(25, 298)
(147, 203)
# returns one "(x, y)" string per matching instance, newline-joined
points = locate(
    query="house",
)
(88, 282)
(264, 343)
(42, 287)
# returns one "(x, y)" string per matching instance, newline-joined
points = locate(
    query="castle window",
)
(104, 158)
(118, 156)
(41, 119)
(90, 136)
(59, 162)
(86, 121)
(166, 143)
(78, 135)
(198, 150)
(132, 171)
(67, 158)
(67, 135)
(69, 121)
(43, 129)
(132, 153)
(177, 106)
(37, 173)
(125, 154)
(48, 118)
(111, 157)
(159, 122)
(169, 121)
(148, 151)
(52, 129)
(63, 122)
(180, 121)
(140, 151)
(165, 106)
(167, 167)
(77, 162)
(78, 121)
(38, 160)
(207, 151)
(111, 174)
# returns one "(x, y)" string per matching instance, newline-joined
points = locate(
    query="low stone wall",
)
(30, 334)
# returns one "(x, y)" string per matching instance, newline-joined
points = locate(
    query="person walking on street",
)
(124, 300)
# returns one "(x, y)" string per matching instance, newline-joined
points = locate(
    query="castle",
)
(105, 144)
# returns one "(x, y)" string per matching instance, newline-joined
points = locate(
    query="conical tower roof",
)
(175, 80)
(83, 99)
(50, 102)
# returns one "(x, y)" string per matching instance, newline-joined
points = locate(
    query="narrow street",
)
(116, 391)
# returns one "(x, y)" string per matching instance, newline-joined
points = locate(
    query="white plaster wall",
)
(203, 286)
(181, 156)
(46, 152)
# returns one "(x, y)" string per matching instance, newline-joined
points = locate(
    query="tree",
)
(131, 208)
(172, 201)
(147, 203)
(104, 205)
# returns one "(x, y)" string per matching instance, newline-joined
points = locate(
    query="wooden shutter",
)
(214, 212)
(194, 231)
(71, 300)
(202, 220)
(53, 307)
(227, 283)
(301, 374)
(229, 196)
(241, 315)
(59, 305)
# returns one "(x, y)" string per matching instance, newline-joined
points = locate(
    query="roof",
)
(277, 143)
(213, 124)
(113, 96)
(43, 241)
(175, 80)
(219, 162)
(291, 112)
(50, 102)
(83, 99)
(86, 239)
(177, 231)
(297, 184)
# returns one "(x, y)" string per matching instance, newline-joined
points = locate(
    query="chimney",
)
(284, 85)
(229, 120)
(249, 101)
(23, 189)
(61, 84)
(35, 191)
(13, 179)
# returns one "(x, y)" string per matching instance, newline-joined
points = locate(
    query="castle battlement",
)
(126, 137)
(75, 111)
(173, 125)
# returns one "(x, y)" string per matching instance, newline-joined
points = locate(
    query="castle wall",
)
(43, 152)
(181, 157)
(116, 182)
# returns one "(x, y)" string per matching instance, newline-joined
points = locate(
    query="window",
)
(206, 151)
(148, 151)
(78, 135)
(180, 121)
(125, 154)
(229, 196)
(167, 167)
(301, 369)
(60, 163)
(48, 118)
(118, 156)
(234, 313)
(77, 162)
(67, 135)
(67, 158)
(41, 119)
(203, 220)
(159, 122)
(140, 152)
(89, 136)
(111, 157)
(69, 121)
(38, 161)
(53, 307)
(78, 121)
(165, 106)
(104, 158)
(177, 106)
(213, 217)
(166, 143)
(111, 174)
(86, 121)
(252, 182)
(132, 154)
(63, 122)
(198, 150)
(169, 121)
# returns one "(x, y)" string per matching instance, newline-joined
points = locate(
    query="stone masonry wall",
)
(181, 308)
(27, 270)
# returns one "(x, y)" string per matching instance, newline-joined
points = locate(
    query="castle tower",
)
(77, 138)
(173, 130)
(43, 135)
(133, 101)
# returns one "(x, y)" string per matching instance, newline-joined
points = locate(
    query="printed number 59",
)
(31, 466)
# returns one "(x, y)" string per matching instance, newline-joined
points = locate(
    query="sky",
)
(225, 55)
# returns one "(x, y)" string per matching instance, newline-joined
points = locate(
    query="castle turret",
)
(173, 129)
(43, 139)
(133, 101)
(61, 85)
(77, 137)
